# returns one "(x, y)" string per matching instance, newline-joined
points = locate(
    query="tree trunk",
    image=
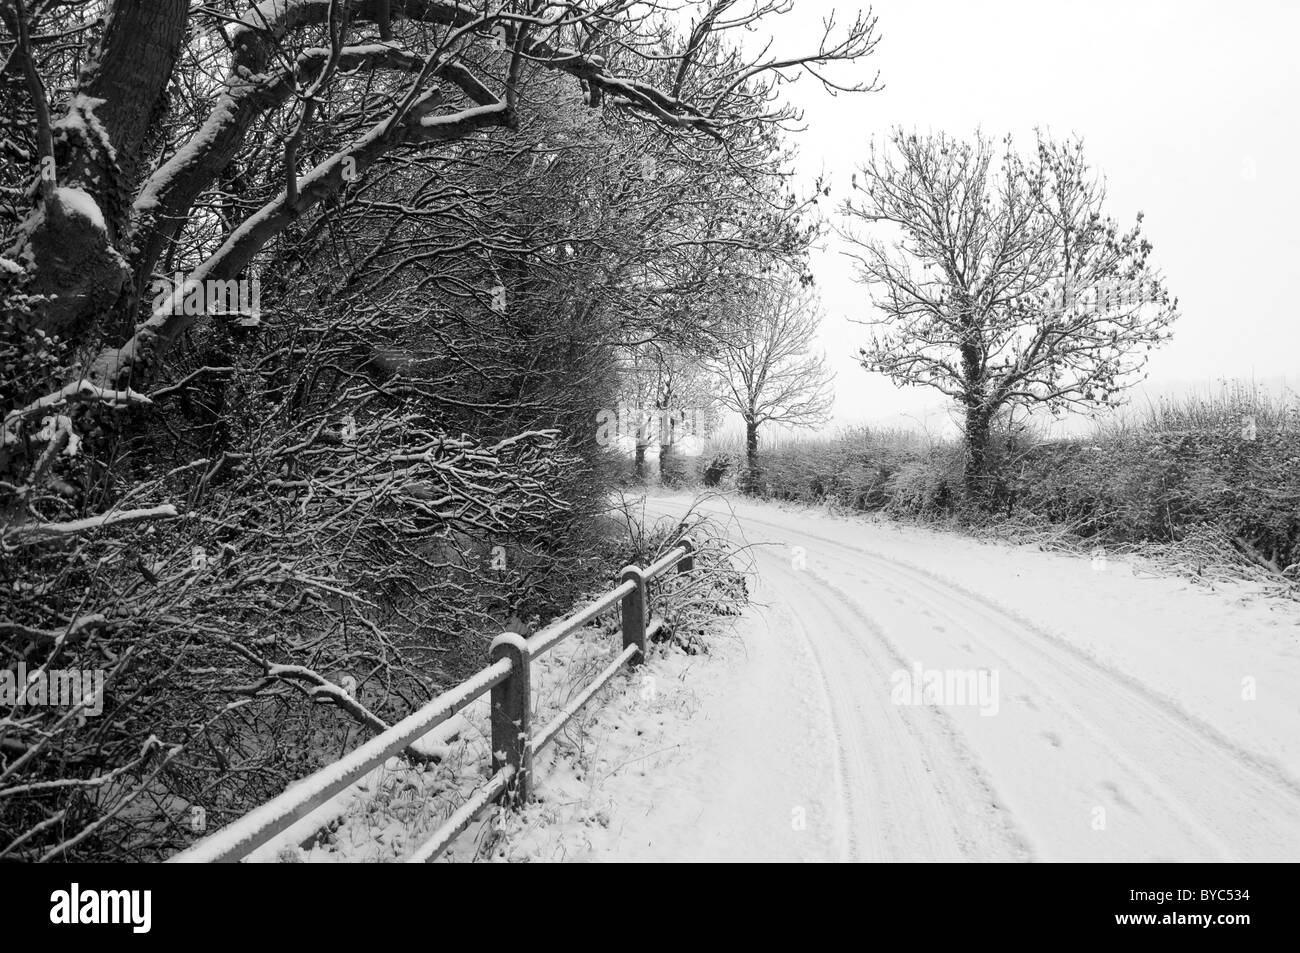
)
(978, 428)
(76, 270)
(667, 441)
(753, 476)
(142, 40)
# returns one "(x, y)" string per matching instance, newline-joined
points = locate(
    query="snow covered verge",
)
(1200, 559)
(612, 744)
(606, 756)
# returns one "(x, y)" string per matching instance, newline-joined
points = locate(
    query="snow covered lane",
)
(910, 695)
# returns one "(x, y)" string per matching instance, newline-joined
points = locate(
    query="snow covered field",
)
(896, 693)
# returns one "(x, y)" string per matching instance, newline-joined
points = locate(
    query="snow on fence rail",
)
(508, 678)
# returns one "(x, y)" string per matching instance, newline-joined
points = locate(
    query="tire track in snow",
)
(912, 787)
(908, 788)
(1090, 734)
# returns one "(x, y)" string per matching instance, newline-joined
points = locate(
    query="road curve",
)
(1071, 758)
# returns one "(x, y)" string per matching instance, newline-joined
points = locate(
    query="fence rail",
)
(508, 678)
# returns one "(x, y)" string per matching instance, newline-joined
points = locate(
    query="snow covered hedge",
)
(1233, 474)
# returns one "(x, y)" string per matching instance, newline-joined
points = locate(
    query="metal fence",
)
(514, 743)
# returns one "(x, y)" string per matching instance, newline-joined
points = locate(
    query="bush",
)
(1227, 463)
(717, 467)
(689, 603)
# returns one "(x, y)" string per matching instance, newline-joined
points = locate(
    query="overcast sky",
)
(1189, 110)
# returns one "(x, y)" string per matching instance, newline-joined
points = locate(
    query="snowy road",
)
(1123, 717)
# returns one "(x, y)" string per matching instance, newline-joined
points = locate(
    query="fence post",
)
(510, 707)
(687, 562)
(634, 613)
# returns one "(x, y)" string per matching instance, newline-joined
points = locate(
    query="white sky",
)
(1189, 109)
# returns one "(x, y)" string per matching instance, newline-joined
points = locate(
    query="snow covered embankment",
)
(618, 735)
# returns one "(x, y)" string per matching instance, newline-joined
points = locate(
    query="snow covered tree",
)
(768, 369)
(669, 396)
(999, 279)
(314, 92)
(285, 525)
